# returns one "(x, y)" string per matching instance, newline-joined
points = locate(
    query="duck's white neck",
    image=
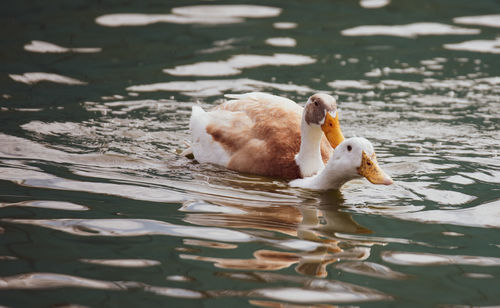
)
(309, 157)
(333, 176)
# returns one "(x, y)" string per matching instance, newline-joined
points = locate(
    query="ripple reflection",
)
(481, 20)
(315, 233)
(137, 19)
(197, 14)
(53, 280)
(410, 30)
(45, 204)
(281, 41)
(36, 77)
(133, 227)
(371, 269)
(312, 290)
(285, 25)
(484, 46)
(482, 216)
(46, 47)
(374, 4)
(205, 88)
(235, 64)
(32, 281)
(122, 262)
(430, 259)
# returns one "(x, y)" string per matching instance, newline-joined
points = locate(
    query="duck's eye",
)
(349, 148)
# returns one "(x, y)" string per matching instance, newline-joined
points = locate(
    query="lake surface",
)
(98, 208)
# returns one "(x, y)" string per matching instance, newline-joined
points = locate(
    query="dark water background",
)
(98, 209)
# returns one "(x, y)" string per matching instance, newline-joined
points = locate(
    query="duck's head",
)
(356, 157)
(321, 109)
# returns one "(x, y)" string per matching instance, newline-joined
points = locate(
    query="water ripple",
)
(132, 263)
(43, 180)
(197, 14)
(342, 293)
(206, 88)
(285, 25)
(430, 259)
(46, 47)
(134, 227)
(410, 30)
(313, 291)
(235, 64)
(45, 204)
(481, 20)
(52, 280)
(137, 19)
(374, 4)
(484, 46)
(281, 41)
(371, 269)
(482, 216)
(317, 290)
(36, 77)
(233, 10)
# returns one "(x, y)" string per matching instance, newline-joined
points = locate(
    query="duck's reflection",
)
(317, 219)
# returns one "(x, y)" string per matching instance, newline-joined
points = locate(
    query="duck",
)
(353, 158)
(268, 135)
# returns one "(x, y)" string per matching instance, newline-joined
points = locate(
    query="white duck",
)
(353, 158)
(267, 135)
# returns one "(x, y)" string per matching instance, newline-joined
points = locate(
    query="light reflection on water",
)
(482, 20)
(36, 77)
(487, 46)
(46, 47)
(410, 30)
(234, 64)
(197, 14)
(206, 88)
(96, 198)
(314, 291)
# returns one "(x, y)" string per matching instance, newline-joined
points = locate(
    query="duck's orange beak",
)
(371, 171)
(332, 130)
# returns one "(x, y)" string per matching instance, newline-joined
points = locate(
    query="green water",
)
(98, 209)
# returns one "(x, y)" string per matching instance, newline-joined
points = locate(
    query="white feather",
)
(205, 149)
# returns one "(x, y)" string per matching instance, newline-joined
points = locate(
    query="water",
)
(99, 209)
